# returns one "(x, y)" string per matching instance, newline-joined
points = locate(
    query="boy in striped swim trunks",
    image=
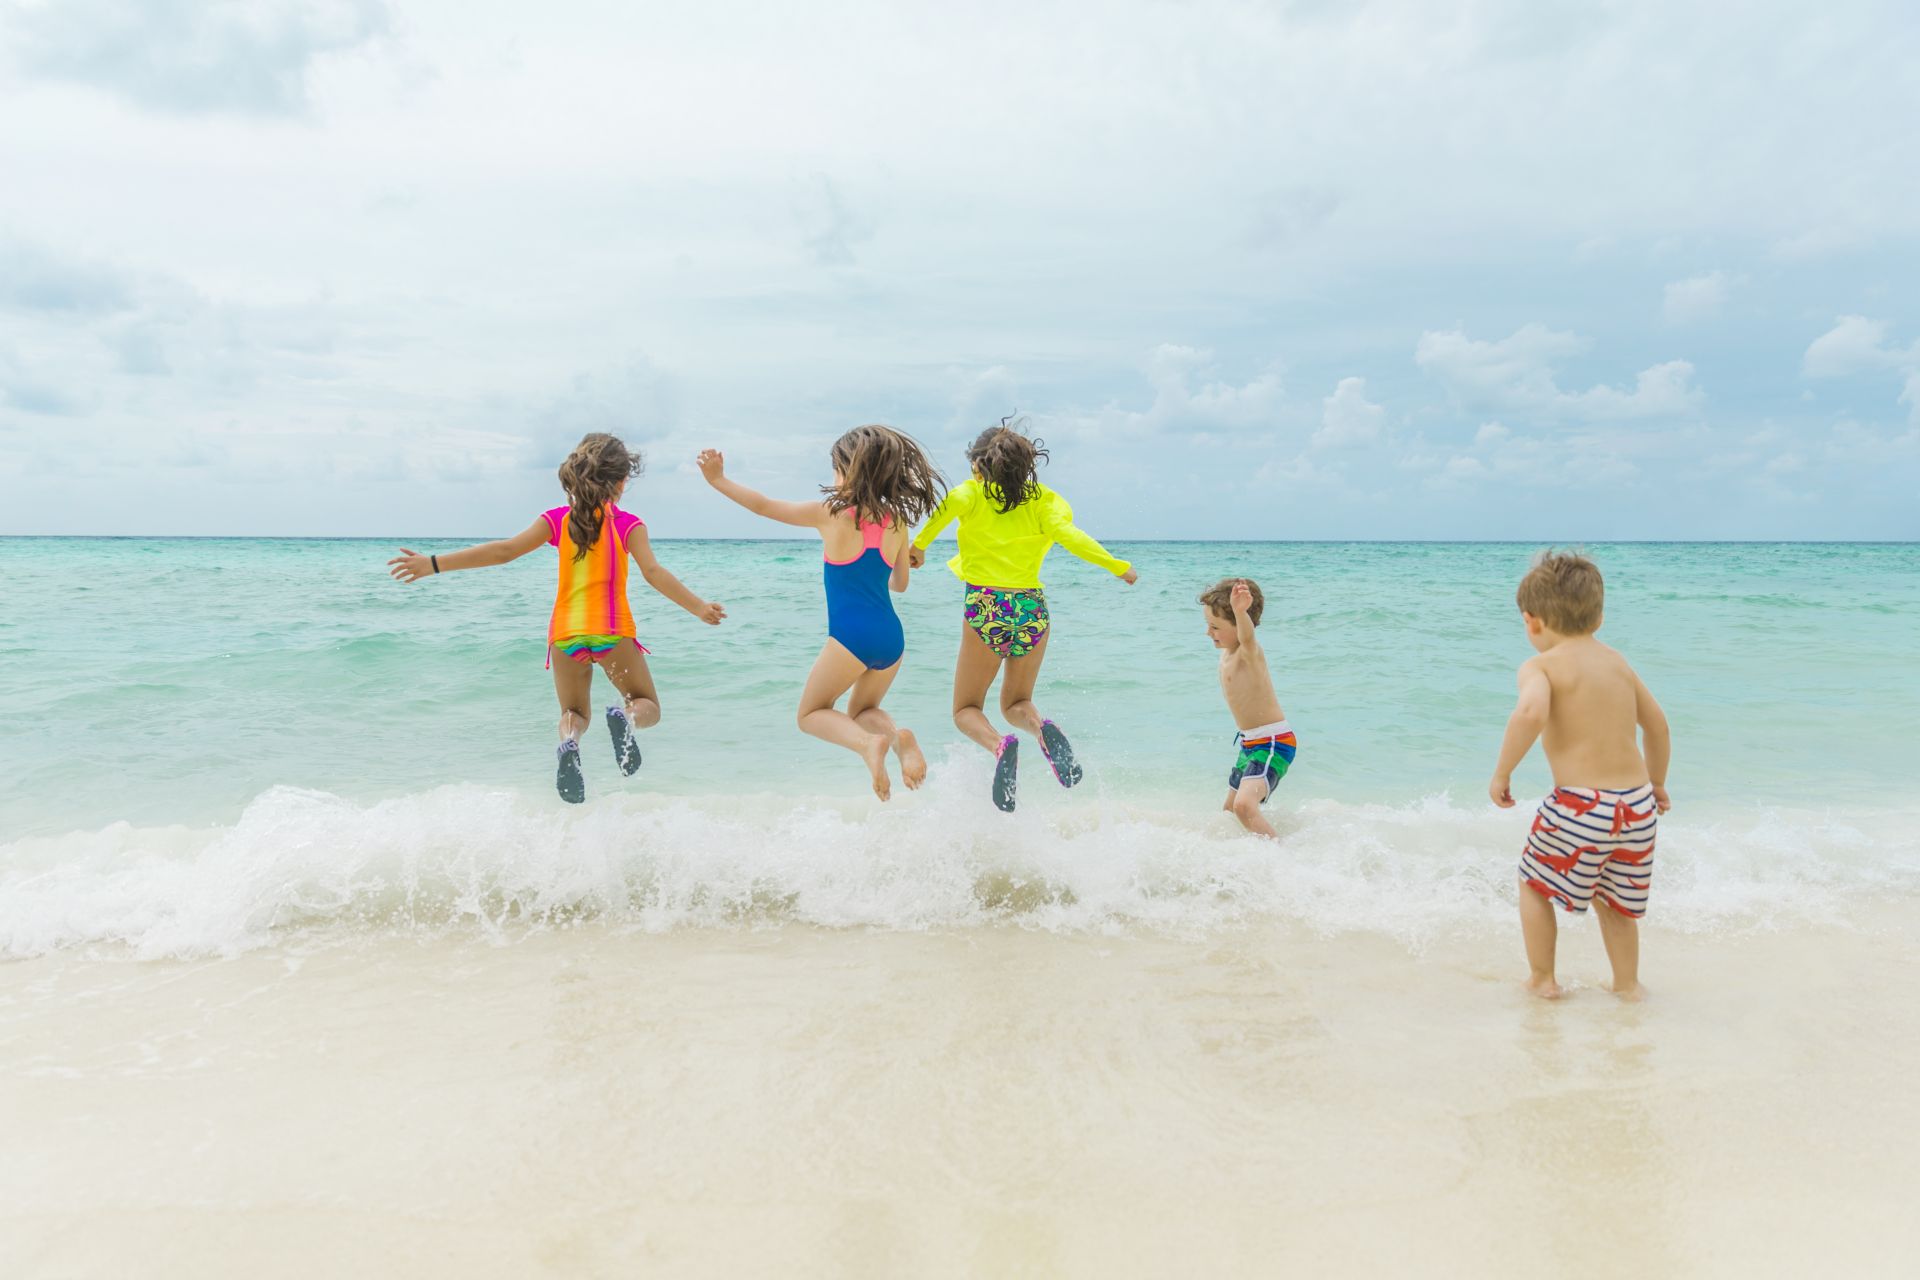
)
(1265, 741)
(1593, 836)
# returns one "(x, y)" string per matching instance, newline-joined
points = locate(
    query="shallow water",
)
(283, 738)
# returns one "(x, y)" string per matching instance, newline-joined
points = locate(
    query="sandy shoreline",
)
(989, 1102)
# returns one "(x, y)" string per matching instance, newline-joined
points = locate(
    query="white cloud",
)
(1516, 374)
(1857, 345)
(1348, 420)
(1696, 298)
(246, 56)
(1186, 398)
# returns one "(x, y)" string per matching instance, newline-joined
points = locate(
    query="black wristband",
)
(436, 563)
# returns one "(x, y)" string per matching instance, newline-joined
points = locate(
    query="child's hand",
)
(1500, 790)
(1130, 577)
(915, 557)
(711, 612)
(409, 566)
(1660, 799)
(713, 464)
(1242, 596)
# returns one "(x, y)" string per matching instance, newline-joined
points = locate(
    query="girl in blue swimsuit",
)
(882, 486)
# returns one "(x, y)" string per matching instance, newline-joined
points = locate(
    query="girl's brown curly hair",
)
(1008, 461)
(883, 475)
(592, 476)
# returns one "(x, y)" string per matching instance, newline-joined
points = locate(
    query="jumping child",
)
(882, 484)
(1265, 742)
(1593, 836)
(592, 622)
(1008, 522)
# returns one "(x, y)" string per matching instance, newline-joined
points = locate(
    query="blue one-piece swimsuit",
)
(859, 609)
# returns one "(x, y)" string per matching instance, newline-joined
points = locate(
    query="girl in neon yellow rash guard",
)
(1008, 521)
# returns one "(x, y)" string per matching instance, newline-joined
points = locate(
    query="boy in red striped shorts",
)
(1593, 837)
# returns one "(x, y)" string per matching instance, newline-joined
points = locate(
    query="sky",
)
(1489, 269)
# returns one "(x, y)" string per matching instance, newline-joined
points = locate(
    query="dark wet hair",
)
(884, 474)
(1008, 461)
(592, 476)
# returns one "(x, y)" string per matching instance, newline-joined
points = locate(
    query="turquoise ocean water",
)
(207, 741)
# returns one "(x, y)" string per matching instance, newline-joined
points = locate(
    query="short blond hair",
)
(1219, 599)
(1564, 590)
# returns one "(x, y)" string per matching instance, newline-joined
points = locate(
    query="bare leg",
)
(1016, 691)
(1245, 804)
(626, 666)
(573, 685)
(973, 675)
(863, 704)
(1541, 932)
(1621, 934)
(834, 672)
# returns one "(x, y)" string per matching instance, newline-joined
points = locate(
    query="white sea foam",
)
(472, 858)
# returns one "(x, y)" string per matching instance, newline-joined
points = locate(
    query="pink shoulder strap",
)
(871, 534)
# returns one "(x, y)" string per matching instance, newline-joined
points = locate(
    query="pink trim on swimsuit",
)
(871, 536)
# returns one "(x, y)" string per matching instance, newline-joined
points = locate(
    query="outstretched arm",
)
(808, 515)
(1056, 518)
(943, 515)
(1523, 728)
(708, 611)
(411, 566)
(1656, 741)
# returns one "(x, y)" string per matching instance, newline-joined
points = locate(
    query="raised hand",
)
(1241, 597)
(713, 465)
(409, 566)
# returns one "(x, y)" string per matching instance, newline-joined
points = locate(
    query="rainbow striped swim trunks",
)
(1586, 843)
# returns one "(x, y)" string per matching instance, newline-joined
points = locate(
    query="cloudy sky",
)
(1493, 268)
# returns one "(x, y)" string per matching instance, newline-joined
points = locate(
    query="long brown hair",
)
(883, 474)
(592, 476)
(1008, 461)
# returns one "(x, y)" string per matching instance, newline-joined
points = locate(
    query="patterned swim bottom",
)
(591, 649)
(1009, 621)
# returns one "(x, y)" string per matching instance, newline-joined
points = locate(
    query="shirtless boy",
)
(1265, 740)
(1593, 837)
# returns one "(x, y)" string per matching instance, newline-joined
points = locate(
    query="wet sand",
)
(998, 1102)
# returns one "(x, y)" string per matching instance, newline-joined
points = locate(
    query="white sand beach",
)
(798, 1101)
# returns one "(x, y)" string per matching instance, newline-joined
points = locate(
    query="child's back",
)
(1593, 717)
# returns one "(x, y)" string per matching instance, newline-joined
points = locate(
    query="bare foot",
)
(875, 754)
(1545, 988)
(1632, 995)
(913, 765)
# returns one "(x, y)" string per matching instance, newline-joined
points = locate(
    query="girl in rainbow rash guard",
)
(592, 624)
(1008, 521)
(882, 484)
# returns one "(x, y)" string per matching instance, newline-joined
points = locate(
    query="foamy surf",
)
(493, 861)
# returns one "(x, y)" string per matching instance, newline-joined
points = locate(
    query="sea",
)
(298, 944)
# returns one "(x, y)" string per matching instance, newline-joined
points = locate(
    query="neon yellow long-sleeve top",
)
(1004, 548)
